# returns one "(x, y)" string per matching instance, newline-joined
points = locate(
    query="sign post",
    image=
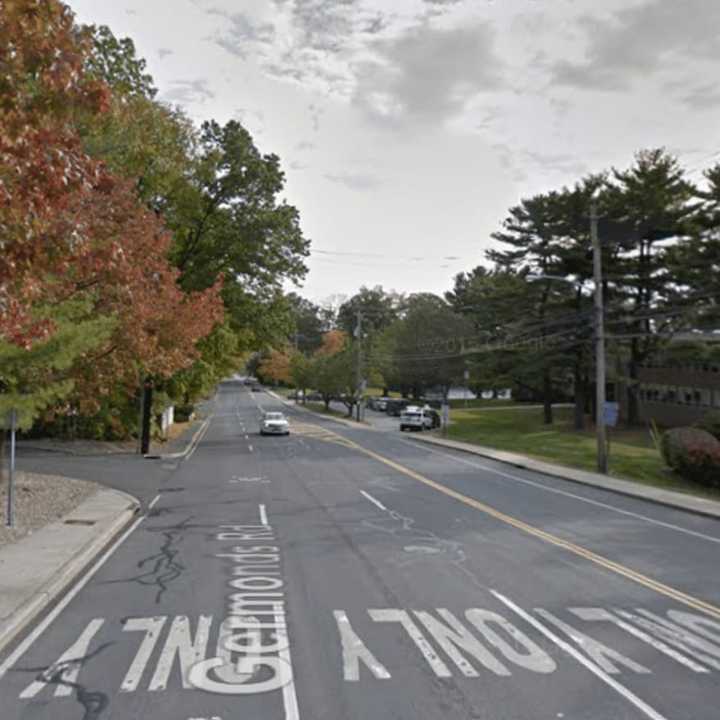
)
(611, 413)
(10, 520)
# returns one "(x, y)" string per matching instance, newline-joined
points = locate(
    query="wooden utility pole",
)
(600, 372)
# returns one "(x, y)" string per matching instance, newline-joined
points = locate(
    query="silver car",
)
(274, 423)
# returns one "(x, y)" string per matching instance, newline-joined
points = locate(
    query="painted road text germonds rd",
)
(253, 648)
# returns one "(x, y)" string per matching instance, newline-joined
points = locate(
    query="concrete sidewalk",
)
(669, 498)
(35, 570)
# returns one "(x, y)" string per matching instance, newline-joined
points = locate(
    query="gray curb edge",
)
(191, 444)
(563, 473)
(58, 582)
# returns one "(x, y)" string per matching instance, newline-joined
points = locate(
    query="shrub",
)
(694, 454)
(710, 423)
(183, 413)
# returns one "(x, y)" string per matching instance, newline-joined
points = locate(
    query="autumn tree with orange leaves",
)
(80, 256)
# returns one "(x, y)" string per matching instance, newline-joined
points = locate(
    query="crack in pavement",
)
(93, 702)
(164, 568)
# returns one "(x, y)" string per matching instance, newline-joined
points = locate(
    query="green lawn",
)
(319, 407)
(482, 403)
(632, 454)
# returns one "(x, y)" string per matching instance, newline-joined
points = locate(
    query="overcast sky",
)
(407, 128)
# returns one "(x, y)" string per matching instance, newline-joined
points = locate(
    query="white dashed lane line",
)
(373, 500)
(557, 491)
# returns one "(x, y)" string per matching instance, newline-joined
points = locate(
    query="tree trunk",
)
(547, 397)
(146, 423)
(327, 403)
(579, 396)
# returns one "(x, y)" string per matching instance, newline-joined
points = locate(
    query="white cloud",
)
(633, 43)
(354, 181)
(427, 75)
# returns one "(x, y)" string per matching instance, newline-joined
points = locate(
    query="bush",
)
(710, 423)
(183, 413)
(694, 454)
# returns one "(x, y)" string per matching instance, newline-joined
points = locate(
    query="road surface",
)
(349, 573)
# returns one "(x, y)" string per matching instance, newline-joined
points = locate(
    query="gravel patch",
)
(40, 500)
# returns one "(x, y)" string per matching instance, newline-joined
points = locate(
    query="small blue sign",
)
(611, 414)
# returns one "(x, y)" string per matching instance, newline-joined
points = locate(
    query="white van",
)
(415, 418)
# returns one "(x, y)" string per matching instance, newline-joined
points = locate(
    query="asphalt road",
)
(349, 573)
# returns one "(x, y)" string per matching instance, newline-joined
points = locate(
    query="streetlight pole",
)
(600, 373)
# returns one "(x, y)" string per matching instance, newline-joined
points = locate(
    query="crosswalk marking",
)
(64, 673)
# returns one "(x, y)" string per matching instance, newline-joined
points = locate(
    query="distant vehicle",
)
(314, 397)
(256, 387)
(274, 423)
(296, 395)
(378, 403)
(434, 416)
(416, 418)
(395, 407)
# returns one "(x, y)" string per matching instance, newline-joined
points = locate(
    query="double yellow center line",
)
(611, 565)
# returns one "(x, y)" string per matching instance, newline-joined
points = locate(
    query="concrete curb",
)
(667, 498)
(54, 584)
(194, 440)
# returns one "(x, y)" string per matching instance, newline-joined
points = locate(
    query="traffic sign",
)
(612, 411)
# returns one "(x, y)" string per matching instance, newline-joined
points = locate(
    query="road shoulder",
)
(668, 498)
(36, 569)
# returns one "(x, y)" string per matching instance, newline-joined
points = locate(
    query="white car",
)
(274, 423)
(415, 418)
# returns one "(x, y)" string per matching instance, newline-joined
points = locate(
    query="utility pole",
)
(10, 519)
(600, 374)
(359, 362)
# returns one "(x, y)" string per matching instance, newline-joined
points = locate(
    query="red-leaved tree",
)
(69, 229)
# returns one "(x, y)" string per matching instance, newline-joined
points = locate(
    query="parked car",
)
(395, 407)
(274, 423)
(434, 417)
(416, 418)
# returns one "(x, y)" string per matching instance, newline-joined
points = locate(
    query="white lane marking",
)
(354, 650)
(602, 655)
(40, 628)
(199, 438)
(64, 673)
(600, 614)
(292, 712)
(415, 634)
(153, 501)
(597, 503)
(570, 650)
(181, 643)
(250, 447)
(522, 651)
(152, 628)
(452, 636)
(374, 501)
